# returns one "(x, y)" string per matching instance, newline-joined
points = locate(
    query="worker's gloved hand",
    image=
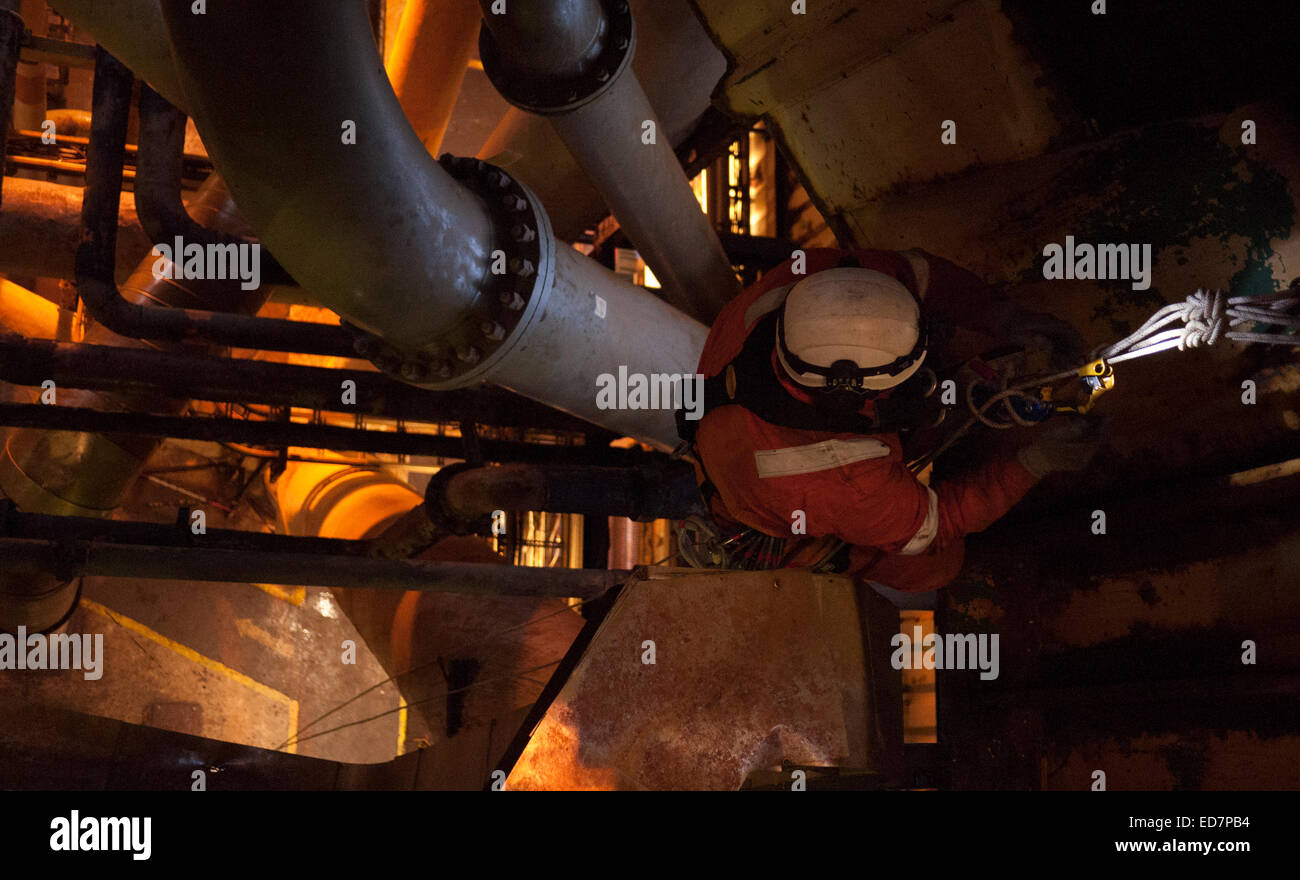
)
(1040, 331)
(1065, 444)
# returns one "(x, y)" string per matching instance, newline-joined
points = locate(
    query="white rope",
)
(1207, 316)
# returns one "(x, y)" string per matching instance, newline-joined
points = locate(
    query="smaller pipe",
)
(189, 375)
(40, 227)
(29, 86)
(11, 39)
(26, 312)
(638, 493)
(58, 166)
(288, 434)
(72, 559)
(106, 305)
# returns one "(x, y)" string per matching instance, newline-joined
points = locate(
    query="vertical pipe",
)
(11, 37)
(570, 60)
(650, 196)
(29, 89)
(431, 50)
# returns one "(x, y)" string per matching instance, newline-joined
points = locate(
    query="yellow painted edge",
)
(206, 662)
(294, 596)
(401, 726)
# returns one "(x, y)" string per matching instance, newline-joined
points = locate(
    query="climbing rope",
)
(1207, 317)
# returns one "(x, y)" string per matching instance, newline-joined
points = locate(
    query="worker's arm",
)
(881, 504)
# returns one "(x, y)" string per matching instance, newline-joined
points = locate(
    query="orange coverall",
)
(857, 488)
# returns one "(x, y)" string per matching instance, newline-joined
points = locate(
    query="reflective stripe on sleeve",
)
(814, 457)
(925, 535)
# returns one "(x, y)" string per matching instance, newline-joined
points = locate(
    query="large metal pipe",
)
(390, 240)
(133, 31)
(320, 159)
(570, 61)
(40, 227)
(679, 69)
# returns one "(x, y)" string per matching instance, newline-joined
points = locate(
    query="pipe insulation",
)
(323, 163)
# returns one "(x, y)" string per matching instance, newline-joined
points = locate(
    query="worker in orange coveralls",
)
(805, 361)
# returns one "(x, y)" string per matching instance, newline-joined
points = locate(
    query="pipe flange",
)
(548, 96)
(517, 266)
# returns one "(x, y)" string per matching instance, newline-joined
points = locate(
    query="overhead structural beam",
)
(342, 190)
(570, 60)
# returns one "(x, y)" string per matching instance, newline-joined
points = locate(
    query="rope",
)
(1206, 316)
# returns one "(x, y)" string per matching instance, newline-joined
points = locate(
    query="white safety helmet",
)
(854, 329)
